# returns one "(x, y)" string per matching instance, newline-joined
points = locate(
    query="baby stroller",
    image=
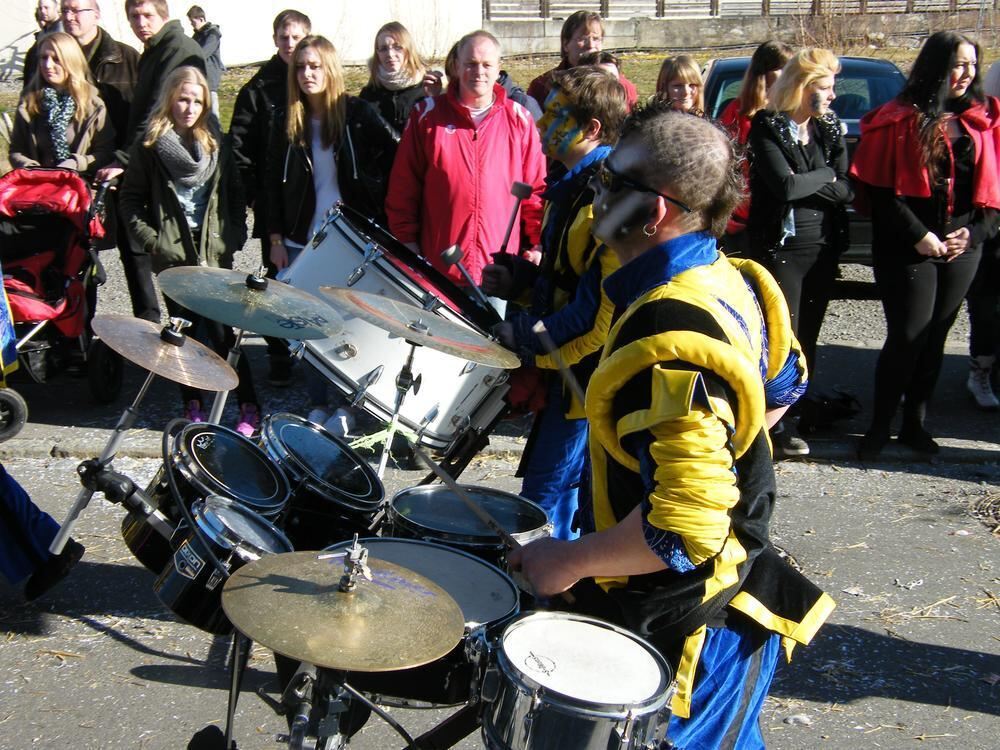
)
(48, 224)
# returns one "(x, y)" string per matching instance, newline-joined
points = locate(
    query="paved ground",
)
(909, 549)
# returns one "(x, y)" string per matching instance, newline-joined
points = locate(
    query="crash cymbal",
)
(292, 604)
(278, 310)
(420, 326)
(192, 364)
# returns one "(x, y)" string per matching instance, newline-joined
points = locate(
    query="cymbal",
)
(221, 294)
(192, 364)
(420, 326)
(291, 603)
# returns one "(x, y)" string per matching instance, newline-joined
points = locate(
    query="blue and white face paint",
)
(558, 129)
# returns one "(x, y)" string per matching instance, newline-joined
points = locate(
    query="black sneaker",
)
(53, 570)
(280, 373)
(786, 444)
(919, 440)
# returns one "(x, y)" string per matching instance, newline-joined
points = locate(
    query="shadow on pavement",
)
(847, 663)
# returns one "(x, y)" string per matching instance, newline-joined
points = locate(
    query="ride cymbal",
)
(277, 309)
(192, 364)
(420, 326)
(292, 604)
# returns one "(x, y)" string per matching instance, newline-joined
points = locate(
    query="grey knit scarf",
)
(59, 109)
(188, 167)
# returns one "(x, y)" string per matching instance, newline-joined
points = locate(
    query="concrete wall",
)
(246, 25)
(542, 36)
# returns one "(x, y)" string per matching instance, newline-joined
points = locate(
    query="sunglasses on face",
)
(613, 181)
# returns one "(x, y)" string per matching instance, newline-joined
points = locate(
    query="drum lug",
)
(366, 382)
(529, 718)
(461, 422)
(491, 686)
(477, 653)
(214, 580)
(469, 367)
(372, 253)
(429, 302)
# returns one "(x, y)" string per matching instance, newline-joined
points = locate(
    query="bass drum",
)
(335, 494)
(436, 514)
(486, 597)
(362, 361)
(190, 585)
(560, 681)
(206, 459)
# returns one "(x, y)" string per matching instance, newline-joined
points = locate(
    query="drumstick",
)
(574, 385)
(481, 514)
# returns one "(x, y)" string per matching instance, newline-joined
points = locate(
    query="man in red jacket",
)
(460, 154)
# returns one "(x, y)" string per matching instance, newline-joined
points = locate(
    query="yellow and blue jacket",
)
(701, 348)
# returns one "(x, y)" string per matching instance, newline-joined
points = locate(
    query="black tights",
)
(921, 299)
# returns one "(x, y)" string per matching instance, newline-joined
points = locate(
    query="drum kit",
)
(401, 602)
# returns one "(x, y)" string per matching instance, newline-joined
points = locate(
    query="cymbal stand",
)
(238, 658)
(404, 382)
(89, 470)
(257, 282)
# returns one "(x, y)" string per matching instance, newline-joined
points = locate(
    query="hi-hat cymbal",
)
(223, 295)
(292, 604)
(192, 364)
(420, 326)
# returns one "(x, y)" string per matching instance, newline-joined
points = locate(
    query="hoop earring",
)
(647, 231)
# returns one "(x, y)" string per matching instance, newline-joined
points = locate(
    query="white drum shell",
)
(522, 714)
(454, 393)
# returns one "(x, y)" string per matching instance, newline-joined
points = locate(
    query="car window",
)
(728, 90)
(858, 95)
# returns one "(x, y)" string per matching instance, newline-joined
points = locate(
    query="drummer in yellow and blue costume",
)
(699, 361)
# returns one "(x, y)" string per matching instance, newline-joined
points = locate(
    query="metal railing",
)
(502, 10)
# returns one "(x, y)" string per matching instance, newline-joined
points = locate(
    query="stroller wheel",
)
(13, 413)
(104, 372)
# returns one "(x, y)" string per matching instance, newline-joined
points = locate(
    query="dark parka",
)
(364, 158)
(168, 50)
(259, 110)
(209, 38)
(156, 221)
(394, 106)
(115, 68)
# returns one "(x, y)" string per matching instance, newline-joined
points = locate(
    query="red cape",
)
(888, 152)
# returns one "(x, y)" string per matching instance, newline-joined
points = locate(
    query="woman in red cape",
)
(927, 167)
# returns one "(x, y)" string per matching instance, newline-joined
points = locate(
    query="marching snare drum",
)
(486, 597)
(335, 494)
(206, 459)
(436, 514)
(362, 361)
(560, 681)
(190, 585)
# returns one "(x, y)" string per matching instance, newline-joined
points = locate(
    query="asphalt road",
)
(909, 549)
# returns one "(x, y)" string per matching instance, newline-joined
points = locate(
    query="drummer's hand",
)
(504, 333)
(497, 281)
(279, 254)
(108, 173)
(546, 565)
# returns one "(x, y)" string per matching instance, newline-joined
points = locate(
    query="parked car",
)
(863, 84)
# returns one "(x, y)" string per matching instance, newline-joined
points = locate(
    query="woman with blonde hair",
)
(798, 220)
(61, 120)
(397, 75)
(181, 202)
(681, 84)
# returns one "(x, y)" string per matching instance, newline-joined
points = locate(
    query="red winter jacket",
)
(451, 180)
(738, 128)
(541, 86)
(889, 149)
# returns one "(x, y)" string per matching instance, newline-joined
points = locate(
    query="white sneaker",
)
(318, 416)
(978, 383)
(341, 423)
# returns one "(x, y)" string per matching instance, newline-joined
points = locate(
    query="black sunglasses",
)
(613, 181)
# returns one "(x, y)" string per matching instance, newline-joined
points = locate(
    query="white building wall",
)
(246, 25)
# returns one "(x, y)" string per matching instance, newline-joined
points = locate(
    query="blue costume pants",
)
(25, 531)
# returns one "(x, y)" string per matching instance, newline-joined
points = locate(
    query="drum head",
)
(223, 462)
(584, 659)
(440, 511)
(483, 592)
(328, 462)
(232, 525)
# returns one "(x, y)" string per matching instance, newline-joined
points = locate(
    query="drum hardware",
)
(372, 253)
(365, 382)
(453, 257)
(404, 382)
(144, 343)
(332, 214)
(247, 303)
(347, 351)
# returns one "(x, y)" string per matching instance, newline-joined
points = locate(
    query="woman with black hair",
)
(927, 161)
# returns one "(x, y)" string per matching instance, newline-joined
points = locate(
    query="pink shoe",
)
(193, 411)
(249, 420)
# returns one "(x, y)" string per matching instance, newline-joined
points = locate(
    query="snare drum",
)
(362, 361)
(190, 585)
(207, 459)
(486, 597)
(560, 681)
(335, 494)
(436, 514)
